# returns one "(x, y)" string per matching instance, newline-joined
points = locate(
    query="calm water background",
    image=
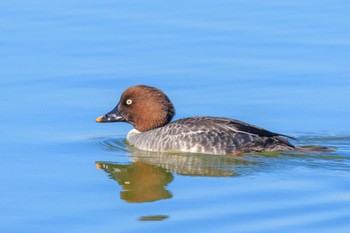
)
(283, 65)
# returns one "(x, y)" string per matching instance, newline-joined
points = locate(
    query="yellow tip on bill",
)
(98, 166)
(99, 119)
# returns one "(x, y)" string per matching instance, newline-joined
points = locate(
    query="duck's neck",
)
(132, 133)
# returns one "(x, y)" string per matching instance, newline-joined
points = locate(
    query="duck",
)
(150, 112)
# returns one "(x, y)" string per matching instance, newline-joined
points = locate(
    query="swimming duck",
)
(150, 112)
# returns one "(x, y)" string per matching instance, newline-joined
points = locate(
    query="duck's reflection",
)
(145, 179)
(141, 182)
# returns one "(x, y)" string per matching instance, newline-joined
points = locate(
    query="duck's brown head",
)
(143, 107)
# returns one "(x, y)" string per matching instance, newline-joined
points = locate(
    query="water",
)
(279, 65)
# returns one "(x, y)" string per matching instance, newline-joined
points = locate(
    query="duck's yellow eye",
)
(128, 101)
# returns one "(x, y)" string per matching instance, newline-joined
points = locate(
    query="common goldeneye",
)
(150, 112)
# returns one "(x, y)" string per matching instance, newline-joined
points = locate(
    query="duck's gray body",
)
(209, 135)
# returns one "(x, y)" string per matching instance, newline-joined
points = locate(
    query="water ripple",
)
(109, 144)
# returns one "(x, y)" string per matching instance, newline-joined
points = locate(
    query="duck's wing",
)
(230, 125)
(252, 129)
(216, 135)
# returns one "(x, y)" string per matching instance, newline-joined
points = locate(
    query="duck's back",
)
(210, 135)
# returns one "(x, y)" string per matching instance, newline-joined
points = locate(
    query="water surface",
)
(279, 65)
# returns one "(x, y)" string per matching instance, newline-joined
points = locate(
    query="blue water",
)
(280, 65)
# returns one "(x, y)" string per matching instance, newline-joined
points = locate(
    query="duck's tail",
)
(282, 144)
(313, 149)
(303, 149)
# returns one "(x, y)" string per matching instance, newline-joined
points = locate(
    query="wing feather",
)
(227, 124)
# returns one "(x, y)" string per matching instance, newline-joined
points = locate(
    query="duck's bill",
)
(112, 116)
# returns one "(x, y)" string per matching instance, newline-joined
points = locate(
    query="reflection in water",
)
(141, 182)
(153, 218)
(145, 179)
(189, 164)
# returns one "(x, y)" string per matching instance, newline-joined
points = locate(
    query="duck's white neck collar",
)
(132, 133)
